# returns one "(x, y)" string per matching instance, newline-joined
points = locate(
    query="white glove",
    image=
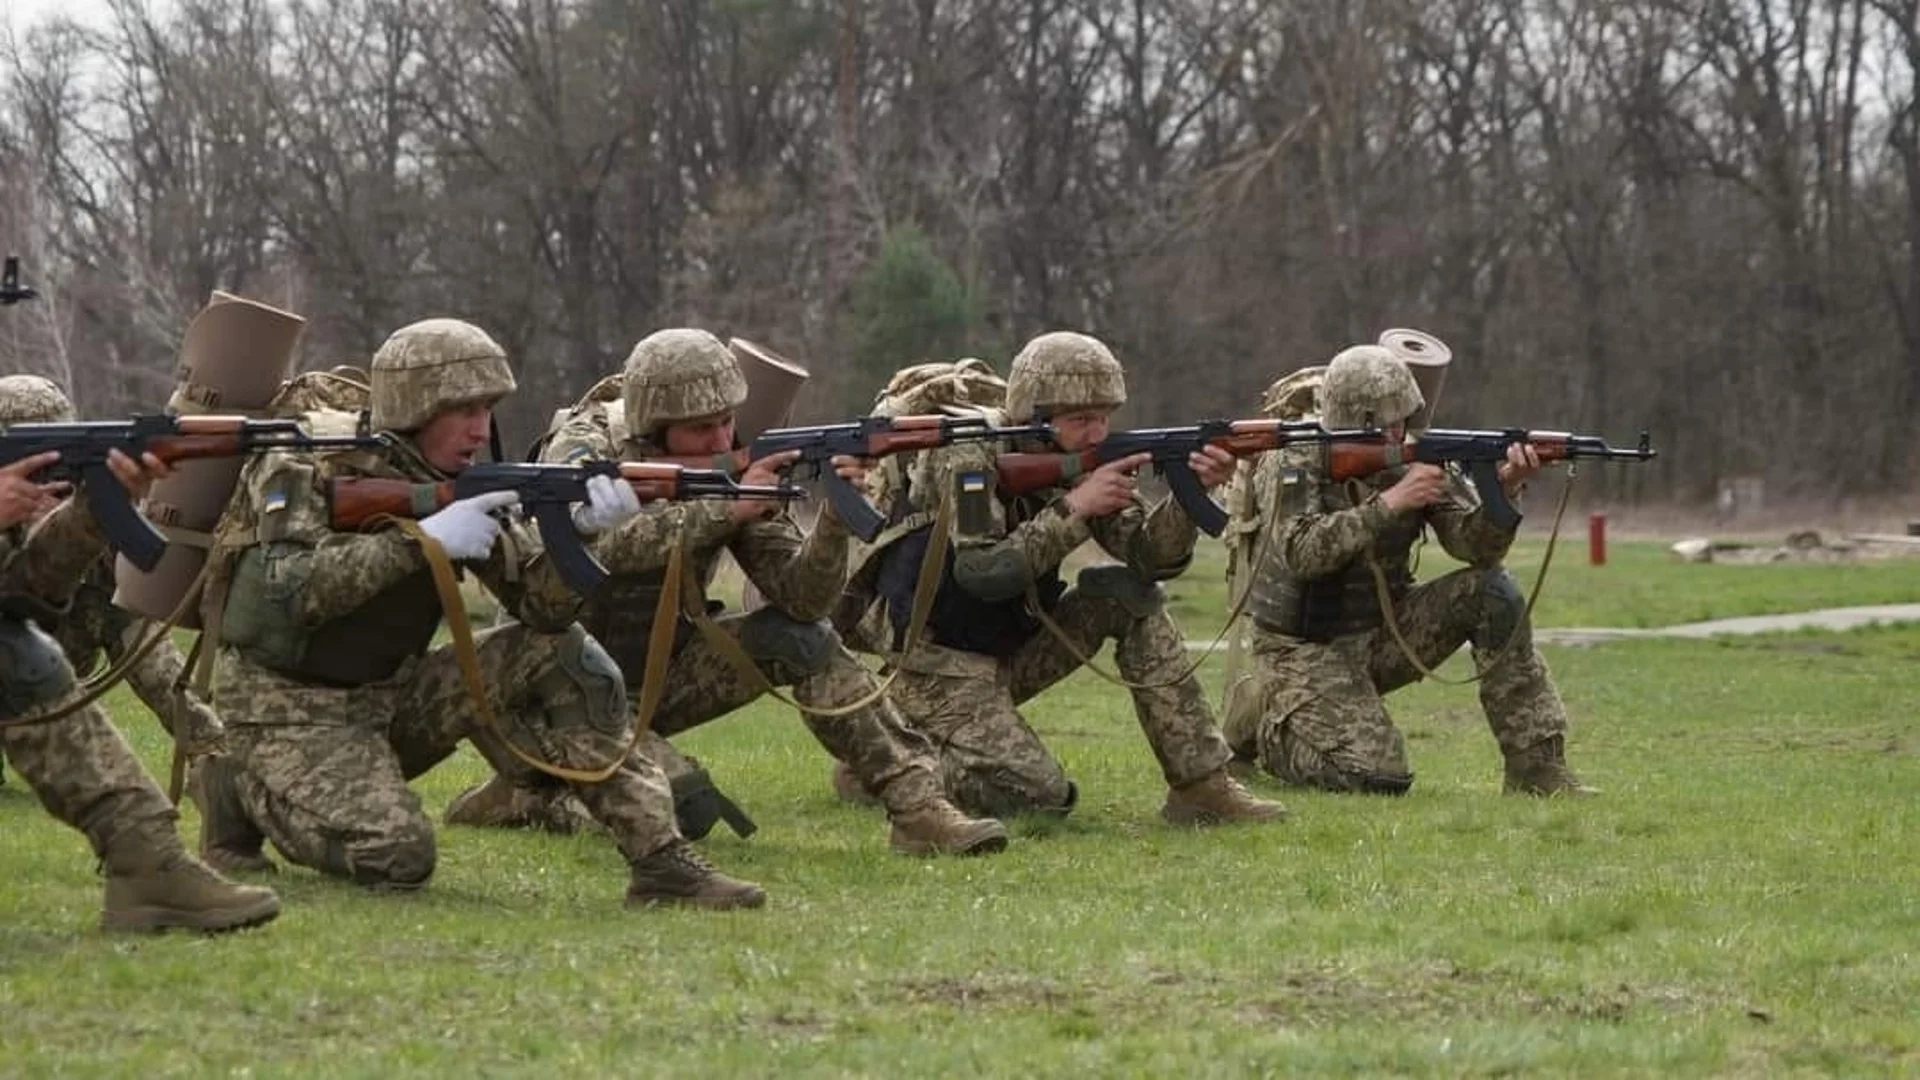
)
(609, 502)
(467, 528)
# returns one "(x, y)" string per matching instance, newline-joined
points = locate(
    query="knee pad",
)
(401, 862)
(1135, 594)
(34, 672)
(1374, 783)
(583, 684)
(787, 649)
(1502, 606)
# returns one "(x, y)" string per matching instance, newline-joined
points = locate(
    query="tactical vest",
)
(365, 645)
(1342, 603)
(958, 619)
(619, 615)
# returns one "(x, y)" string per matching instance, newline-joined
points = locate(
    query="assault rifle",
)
(1023, 473)
(1481, 452)
(547, 493)
(868, 437)
(11, 291)
(84, 445)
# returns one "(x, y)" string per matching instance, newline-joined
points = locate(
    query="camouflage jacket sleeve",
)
(802, 574)
(1463, 528)
(644, 542)
(1156, 543)
(1038, 544)
(55, 552)
(1314, 541)
(527, 583)
(327, 573)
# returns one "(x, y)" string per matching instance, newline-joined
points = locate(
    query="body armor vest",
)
(369, 643)
(1342, 603)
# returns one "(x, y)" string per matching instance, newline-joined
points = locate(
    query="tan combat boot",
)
(1217, 799)
(937, 827)
(502, 804)
(157, 887)
(1541, 769)
(676, 874)
(230, 843)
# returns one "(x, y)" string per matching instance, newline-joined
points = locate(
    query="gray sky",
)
(23, 13)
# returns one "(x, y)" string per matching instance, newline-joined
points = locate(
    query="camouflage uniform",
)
(1311, 711)
(984, 654)
(78, 764)
(338, 700)
(677, 375)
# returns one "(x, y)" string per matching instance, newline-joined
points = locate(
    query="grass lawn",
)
(1642, 585)
(1743, 901)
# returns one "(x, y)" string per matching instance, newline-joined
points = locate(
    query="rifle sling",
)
(653, 688)
(1085, 656)
(925, 589)
(1385, 598)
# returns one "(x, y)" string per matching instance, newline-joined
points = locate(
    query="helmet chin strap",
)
(493, 437)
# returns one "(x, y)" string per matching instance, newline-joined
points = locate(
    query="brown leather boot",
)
(676, 874)
(1541, 769)
(1217, 799)
(502, 804)
(230, 843)
(938, 827)
(848, 787)
(154, 886)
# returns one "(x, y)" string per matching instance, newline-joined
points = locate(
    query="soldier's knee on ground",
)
(788, 650)
(1298, 761)
(1502, 607)
(1136, 595)
(403, 859)
(33, 670)
(583, 685)
(999, 793)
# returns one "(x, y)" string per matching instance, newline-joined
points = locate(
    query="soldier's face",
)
(701, 435)
(452, 439)
(1077, 429)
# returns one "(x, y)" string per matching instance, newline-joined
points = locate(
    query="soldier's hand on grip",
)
(21, 499)
(764, 471)
(1107, 489)
(1422, 486)
(609, 503)
(467, 528)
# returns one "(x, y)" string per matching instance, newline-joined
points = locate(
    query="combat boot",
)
(1541, 769)
(1217, 799)
(937, 827)
(150, 889)
(848, 787)
(502, 804)
(676, 874)
(230, 843)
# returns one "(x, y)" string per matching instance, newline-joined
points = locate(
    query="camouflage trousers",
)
(887, 755)
(323, 770)
(994, 763)
(1312, 713)
(88, 777)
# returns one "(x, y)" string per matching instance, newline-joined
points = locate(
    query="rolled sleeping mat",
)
(236, 354)
(1427, 358)
(773, 382)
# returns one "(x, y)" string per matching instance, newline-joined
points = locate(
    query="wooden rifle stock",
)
(353, 501)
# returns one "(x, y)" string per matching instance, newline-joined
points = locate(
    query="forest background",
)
(1693, 216)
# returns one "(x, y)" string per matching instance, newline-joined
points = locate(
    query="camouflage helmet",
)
(675, 375)
(1367, 382)
(1062, 371)
(433, 365)
(30, 399)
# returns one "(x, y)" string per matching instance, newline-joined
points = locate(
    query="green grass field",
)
(1743, 901)
(1642, 585)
